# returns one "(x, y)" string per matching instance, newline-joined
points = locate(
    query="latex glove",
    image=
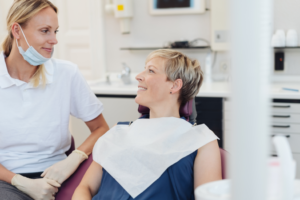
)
(38, 189)
(62, 170)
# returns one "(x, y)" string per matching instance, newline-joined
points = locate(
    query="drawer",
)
(275, 107)
(278, 127)
(281, 117)
(294, 140)
(286, 107)
(285, 117)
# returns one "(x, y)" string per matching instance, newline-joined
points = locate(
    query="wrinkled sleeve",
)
(84, 103)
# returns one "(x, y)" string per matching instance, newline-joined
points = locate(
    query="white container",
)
(292, 38)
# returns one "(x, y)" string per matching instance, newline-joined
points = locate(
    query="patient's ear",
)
(177, 85)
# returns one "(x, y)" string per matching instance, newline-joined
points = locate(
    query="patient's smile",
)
(142, 88)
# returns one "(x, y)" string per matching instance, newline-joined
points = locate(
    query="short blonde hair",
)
(179, 66)
(21, 12)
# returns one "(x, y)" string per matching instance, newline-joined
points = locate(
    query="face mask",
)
(31, 55)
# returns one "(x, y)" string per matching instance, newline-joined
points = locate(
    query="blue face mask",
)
(31, 55)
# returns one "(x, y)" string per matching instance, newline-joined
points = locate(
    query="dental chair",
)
(68, 187)
(190, 113)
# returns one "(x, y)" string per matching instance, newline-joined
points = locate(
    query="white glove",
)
(38, 189)
(62, 170)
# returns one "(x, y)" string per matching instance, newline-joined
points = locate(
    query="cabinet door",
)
(119, 109)
(115, 110)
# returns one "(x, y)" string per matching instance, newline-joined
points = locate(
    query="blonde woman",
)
(37, 96)
(159, 156)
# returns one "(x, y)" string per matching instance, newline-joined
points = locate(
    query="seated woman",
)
(163, 157)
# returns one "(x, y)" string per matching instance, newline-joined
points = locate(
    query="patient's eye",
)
(151, 71)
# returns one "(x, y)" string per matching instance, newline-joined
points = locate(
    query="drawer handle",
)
(278, 106)
(282, 135)
(281, 126)
(281, 116)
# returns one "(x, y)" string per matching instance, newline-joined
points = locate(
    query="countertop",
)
(215, 89)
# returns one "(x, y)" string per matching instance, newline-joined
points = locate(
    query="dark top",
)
(176, 183)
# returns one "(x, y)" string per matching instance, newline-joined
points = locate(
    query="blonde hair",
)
(21, 12)
(179, 66)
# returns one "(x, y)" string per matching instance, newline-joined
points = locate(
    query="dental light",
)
(123, 10)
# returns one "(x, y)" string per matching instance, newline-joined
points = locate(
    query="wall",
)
(153, 31)
(287, 16)
(148, 30)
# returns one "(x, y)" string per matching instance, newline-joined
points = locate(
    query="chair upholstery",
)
(68, 187)
(186, 111)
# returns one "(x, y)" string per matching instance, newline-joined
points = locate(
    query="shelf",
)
(298, 47)
(155, 48)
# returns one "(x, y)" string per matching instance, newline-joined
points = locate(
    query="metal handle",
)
(281, 126)
(278, 106)
(282, 135)
(281, 116)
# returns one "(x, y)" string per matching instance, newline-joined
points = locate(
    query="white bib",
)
(137, 155)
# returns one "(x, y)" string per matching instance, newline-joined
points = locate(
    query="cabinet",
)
(284, 119)
(210, 113)
(116, 108)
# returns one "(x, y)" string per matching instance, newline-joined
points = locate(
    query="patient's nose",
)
(139, 77)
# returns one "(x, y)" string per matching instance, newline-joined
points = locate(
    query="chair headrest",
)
(185, 110)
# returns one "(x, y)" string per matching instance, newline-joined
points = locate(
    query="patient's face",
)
(153, 85)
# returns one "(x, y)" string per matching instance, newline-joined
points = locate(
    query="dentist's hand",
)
(38, 189)
(62, 170)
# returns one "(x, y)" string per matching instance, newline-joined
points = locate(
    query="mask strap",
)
(24, 36)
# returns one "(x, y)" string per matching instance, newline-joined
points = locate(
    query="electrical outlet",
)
(221, 36)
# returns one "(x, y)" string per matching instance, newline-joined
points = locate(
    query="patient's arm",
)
(207, 166)
(89, 184)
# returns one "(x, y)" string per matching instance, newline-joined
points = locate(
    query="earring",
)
(170, 92)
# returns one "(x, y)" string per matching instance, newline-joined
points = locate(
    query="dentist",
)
(37, 96)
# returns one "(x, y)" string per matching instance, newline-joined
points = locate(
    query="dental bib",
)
(137, 155)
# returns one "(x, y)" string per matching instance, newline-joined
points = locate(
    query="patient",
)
(160, 156)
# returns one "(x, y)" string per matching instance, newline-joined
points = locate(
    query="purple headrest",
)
(184, 111)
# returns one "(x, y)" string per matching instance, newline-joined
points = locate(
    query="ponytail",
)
(7, 44)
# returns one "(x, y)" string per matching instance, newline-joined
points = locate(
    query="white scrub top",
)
(34, 122)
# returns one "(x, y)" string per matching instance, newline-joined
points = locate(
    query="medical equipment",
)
(281, 184)
(290, 89)
(125, 75)
(123, 10)
(175, 7)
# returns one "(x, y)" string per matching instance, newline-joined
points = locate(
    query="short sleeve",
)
(84, 103)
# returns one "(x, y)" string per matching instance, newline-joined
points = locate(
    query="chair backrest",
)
(186, 111)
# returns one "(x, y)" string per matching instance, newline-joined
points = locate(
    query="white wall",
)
(148, 30)
(287, 16)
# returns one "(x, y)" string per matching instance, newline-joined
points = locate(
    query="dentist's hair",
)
(179, 66)
(21, 12)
